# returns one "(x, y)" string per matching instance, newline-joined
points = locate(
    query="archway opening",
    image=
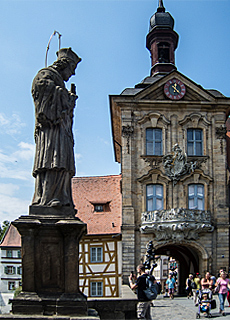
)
(187, 262)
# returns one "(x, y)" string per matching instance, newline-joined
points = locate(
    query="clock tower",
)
(169, 135)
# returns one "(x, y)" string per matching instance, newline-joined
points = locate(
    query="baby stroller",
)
(205, 303)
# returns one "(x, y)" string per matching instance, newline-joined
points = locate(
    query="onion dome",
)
(161, 18)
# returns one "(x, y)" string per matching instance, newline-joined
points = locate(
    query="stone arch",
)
(192, 255)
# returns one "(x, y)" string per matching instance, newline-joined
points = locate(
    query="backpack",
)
(193, 285)
(151, 289)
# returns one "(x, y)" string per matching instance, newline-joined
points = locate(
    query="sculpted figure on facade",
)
(54, 157)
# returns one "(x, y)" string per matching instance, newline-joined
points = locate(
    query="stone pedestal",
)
(50, 269)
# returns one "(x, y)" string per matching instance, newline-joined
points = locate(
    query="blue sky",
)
(109, 36)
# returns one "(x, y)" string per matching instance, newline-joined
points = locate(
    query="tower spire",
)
(161, 7)
(162, 41)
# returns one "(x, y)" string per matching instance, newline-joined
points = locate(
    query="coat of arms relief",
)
(176, 164)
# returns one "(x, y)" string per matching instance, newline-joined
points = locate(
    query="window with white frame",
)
(19, 254)
(10, 270)
(9, 253)
(96, 289)
(11, 285)
(19, 270)
(196, 196)
(154, 141)
(96, 254)
(154, 197)
(195, 142)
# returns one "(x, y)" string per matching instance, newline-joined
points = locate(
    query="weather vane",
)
(48, 46)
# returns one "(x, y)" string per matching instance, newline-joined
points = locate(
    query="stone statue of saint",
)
(54, 157)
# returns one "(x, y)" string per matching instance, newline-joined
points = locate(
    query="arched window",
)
(194, 142)
(154, 141)
(196, 196)
(154, 197)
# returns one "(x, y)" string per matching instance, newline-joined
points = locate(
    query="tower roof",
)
(161, 19)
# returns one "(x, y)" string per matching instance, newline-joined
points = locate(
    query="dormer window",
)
(98, 207)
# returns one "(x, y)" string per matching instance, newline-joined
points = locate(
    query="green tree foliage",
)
(4, 226)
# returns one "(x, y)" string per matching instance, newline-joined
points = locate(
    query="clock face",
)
(174, 89)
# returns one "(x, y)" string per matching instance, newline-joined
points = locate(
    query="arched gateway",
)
(169, 135)
(190, 257)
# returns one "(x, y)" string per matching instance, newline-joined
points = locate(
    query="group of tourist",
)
(194, 285)
(220, 286)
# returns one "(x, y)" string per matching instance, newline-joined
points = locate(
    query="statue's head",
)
(66, 63)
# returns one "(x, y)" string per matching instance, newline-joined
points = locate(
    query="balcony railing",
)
(177, 223)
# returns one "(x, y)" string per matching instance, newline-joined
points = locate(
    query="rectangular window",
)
(10, 270)
(19, 270)
(19, 254)
(154, 196)
(9, 253)
(165, 273)
(96, 289)
(96, 254)
(98, 208)
(194, 142)
(154, 142)
(11, 285)
(196, 196)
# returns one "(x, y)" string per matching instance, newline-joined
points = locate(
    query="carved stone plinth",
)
(50, 269)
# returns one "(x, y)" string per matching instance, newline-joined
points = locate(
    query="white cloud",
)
(26, 151)
(107, 143)
(17, 165)
(78, 156)
(8, 189)
(12, 207)
(11, 125)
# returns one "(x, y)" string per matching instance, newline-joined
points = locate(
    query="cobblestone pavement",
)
(181, 308)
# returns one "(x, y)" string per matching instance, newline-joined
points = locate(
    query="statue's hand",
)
(72, 98)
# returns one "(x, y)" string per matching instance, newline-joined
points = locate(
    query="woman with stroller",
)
(223, 285)
(207, 282)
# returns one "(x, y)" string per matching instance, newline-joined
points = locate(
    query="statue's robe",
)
(54, 157)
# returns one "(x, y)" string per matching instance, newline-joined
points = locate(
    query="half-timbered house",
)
(98, 203)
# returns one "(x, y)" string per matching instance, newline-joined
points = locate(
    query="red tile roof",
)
(11, 238)
(105, 190)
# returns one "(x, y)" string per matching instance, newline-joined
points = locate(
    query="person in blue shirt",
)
(170, 285)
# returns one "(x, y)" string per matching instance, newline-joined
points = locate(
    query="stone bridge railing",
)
(176, 224)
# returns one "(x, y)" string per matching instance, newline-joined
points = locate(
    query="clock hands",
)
(175, 89)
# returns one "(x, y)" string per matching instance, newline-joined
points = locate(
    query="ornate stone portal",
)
(51, 233)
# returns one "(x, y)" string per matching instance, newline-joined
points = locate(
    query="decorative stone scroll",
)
(176, 164)
(176, 224)
(127, 132)
(221, 134)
